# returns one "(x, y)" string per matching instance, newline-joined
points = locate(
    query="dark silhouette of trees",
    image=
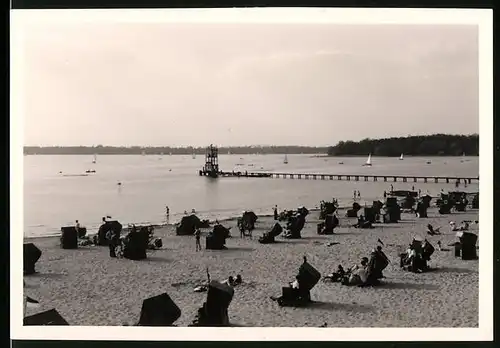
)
(422, 145)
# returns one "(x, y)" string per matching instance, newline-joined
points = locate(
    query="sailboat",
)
(143, 153)
(368, 161)
(161, 156)
(94, 160)
(463, 157)
(194, 155)
(285, 161)
(401, 157)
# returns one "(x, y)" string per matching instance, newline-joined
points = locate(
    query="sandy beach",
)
(89, 288)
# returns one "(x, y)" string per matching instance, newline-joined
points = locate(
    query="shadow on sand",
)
(158, 259)
(452, 270)
(46, 275)
(233, 248)
(348, 307)
(407, 286)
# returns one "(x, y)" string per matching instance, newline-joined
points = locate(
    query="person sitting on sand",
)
(229, 281)
(361, 221)
(359, 275)
(432, 231)
(373, 270)
(336, 276)
(238, 280)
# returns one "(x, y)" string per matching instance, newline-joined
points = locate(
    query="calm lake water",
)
(149, 183)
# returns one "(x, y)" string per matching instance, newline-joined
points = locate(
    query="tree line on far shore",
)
(166, 150)
(424, 145)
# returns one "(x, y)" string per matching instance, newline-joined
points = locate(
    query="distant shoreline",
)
(234, 154)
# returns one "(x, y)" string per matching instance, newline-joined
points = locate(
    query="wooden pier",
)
(211, 169)
(352, 177)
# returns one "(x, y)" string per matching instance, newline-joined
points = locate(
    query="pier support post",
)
(366, 178)
(314, 177)
(425, 180)
(339, 177)
(436, 180)
(374, 178)
(404, 179)
(348, 178)
(470, 180)
(356, 178)
(331, 177)
(414, 179)
(395, 178)
(447, 180)
(299, 176)
(385, 179)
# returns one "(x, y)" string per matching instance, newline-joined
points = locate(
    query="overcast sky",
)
(243, 84)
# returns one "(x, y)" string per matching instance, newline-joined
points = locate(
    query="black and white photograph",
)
(310, 170)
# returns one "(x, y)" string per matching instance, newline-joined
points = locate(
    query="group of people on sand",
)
(367, 273)
(416, 256)
(233, 281)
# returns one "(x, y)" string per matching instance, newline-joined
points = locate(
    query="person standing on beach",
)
(167, 211)
(197, 235)
(275, 210)
(112, 242)
(77, 227)
(354, 194)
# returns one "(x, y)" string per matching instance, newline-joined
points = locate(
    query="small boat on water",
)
(463, 158)
(285, 161)
(428, 162)
(94, 160)
(341, 162)
(401, 157)
(368, 162)
(90, 171)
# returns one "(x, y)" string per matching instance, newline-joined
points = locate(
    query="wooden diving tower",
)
(211, 167)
